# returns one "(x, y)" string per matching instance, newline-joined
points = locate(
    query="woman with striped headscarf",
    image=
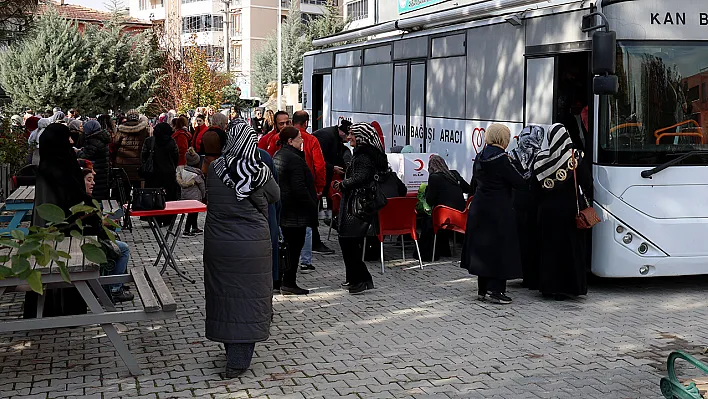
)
(562, 246)
(238, 281)
(369, 160)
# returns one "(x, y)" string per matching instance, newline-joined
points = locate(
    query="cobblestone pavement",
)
(421, 333)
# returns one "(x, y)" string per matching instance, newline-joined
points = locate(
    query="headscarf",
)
(162, 133)
(366, 134)
(57, 117)
(379, 131)
(16, 120)
(31, 124)
(528, 145)
(75, 124)
(240, 166)
(408, 149)
(37, 133)
(91, 126)
(555, 152)
(437, 164)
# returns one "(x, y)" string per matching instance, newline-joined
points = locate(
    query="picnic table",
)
(181, 208)
(157, 301)
(21, 202)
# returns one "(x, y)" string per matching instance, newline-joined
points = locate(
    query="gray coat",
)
(238, 280)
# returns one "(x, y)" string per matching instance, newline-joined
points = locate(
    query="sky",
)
(95, 4)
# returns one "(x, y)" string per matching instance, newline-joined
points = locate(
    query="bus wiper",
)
(647, 174)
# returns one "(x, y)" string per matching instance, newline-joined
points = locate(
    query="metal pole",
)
(280, 51)
(227, 46)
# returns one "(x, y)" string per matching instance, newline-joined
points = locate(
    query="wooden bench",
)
(157, 301)
(673, 388)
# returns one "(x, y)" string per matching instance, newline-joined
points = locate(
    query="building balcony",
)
(235, 35)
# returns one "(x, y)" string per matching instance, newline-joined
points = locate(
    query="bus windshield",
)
(661, 109)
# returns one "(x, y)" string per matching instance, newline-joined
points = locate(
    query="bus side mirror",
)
(605, 85)
(604, 52)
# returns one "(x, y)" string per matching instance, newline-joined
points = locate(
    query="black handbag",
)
(147, 168)
(368, 200)
(148, 199)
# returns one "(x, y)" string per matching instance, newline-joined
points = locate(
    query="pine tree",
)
(49, 67)
(123, 72)
(328, 24)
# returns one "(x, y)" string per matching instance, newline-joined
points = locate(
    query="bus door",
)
(321, 101)
(409, 105)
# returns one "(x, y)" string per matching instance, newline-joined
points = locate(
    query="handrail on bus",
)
(625, 125)
(659, 132)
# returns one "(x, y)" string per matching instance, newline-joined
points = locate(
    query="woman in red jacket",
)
(182, 137)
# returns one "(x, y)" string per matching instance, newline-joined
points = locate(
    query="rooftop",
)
(90, 15)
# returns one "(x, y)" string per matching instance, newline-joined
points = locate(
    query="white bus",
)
(437, 81)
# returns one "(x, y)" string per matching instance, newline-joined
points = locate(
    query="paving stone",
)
(420, 334)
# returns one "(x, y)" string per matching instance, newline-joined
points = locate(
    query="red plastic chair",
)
(446, 218)
(398, 218)
(336, 204)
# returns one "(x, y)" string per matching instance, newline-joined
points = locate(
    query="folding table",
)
(21, 202)
(182, 208)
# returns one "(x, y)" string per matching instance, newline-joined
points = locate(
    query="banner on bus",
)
(412, 5)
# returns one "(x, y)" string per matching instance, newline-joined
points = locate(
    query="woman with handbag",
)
(562, 174)
(298, 201)
(369, 160)
(491, 247)
(159, 163)
(238, 281)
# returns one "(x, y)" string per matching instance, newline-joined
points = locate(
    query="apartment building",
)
(246, 24)
(365, 13)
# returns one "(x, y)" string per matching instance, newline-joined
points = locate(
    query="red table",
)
(171, 208)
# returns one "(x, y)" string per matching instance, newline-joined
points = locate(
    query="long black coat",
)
(491, 246)
(96, 150)
(238, 280)
(164, 161)
(366, 162)
(298, 198)
(562, 257)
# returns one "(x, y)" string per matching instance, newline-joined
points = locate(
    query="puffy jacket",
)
(182, 138)
(129, 142)
(191, 181)
(297, 189)
(313, 157)
(96, 150)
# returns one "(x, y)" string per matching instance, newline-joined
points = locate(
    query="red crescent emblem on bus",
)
(420, 165)
(478, 139)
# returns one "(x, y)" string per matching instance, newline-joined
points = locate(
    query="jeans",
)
(121, 264)
(306, 254)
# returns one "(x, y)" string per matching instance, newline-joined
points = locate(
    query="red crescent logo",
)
(420, 165)
(478, 139)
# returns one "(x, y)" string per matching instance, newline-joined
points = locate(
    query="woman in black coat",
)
(491, 248)
(445, 187)
(562, 246)
(95, 149)
(163, 149)
(298, 203)
(369, 159)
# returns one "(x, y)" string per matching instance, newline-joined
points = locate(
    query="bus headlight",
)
(627, 238)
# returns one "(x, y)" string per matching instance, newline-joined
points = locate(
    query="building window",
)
(235, 26)
(236, 55)
(202, 23)
(191, 1)
(213, 53)
(150, 4)
(319, 2)
(358, 9)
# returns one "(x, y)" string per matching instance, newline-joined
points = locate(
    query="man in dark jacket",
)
(333, 149)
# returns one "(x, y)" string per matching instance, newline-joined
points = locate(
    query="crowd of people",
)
(268, 182)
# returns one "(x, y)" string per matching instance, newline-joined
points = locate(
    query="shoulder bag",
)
(147, 168)
(587, 217)
(368, 200)
(148, 199)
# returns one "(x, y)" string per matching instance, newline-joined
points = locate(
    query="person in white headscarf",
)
(562, 246)
(33, 140)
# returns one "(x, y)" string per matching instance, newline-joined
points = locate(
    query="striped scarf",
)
(240, 166)
(555, 152)
(366, 134)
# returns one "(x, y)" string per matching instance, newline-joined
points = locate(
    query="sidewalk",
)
(419, 334)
